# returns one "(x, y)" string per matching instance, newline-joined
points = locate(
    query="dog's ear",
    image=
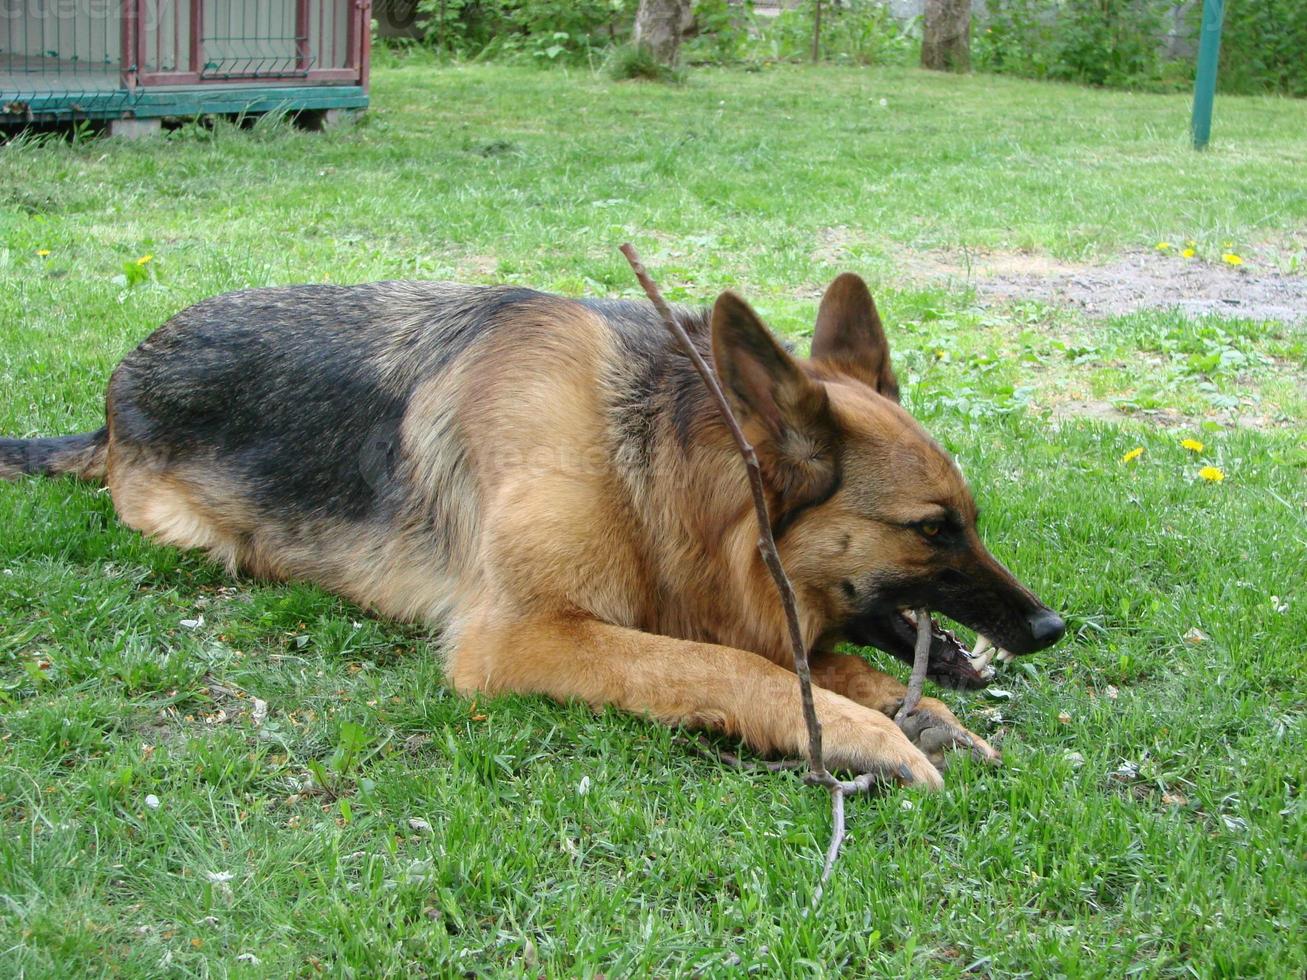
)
(849, 335)
(785, 413)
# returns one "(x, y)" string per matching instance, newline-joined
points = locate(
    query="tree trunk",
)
(659, 25)
(816, 32)
(946, 38)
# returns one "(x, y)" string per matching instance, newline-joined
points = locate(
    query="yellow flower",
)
(145, 260)
(43, 252)
(1163, 246)
(1231, 259)
(1133, 454)
(1193, 445)
(1188, 253)
(1212, 474)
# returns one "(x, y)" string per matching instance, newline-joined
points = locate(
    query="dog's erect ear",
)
(786, 413)
(850, 337)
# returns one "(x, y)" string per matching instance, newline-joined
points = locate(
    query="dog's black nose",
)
(1046, 627)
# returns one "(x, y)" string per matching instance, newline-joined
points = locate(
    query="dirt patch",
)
(479, 266)
(1163, 418)
(1078, 408)
(833, 245)
(1136, 281)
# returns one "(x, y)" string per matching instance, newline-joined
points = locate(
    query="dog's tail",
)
(82, 456)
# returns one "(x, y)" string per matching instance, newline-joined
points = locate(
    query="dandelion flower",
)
(1133, 454)
(1193, 445)
(43, 252)
(1163, 246)
(1229, 258)
(1212, 474)
(145, 260)
(1188, 253)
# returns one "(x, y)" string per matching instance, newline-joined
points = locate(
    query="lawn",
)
(166, 731)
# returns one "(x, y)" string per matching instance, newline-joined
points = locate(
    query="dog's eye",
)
(929, 530)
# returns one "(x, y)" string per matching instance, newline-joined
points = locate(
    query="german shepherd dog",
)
(547, 482)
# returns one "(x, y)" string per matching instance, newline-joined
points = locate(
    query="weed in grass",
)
(633, 61)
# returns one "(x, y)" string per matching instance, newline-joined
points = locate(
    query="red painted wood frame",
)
(356, 69)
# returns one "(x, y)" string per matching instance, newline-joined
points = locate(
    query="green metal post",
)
(1209, 50)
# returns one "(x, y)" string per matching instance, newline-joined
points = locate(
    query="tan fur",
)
(583, 615)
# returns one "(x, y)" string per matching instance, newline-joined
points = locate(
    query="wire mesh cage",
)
(102, 58)
(44, 50)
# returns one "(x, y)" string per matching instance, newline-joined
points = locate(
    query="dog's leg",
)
(680, 682)
(932, 728)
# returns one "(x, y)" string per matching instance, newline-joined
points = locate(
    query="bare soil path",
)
(1135, 281)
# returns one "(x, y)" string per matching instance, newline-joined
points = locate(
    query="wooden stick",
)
(817, 773)
(766, 543)
(836, 840)
(921, 660)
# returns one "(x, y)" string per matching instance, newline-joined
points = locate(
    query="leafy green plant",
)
(1263, 46)
(865, 32)
(1118, 43)
(542, 30)
(548, 31)
(1114, 43)
(1110, 42)
(630, 62)
(352, 748)
(722, 31)
(861, 32)
(135, 272)
(460, 27)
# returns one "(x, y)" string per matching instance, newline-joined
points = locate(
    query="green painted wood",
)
(182, 101)
(1209, 51)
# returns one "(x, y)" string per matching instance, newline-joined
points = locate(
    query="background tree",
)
(946, 36)
(659, 25)
(816, 31)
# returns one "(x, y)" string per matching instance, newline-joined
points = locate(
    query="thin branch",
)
(817, 774)
(921, 661)
(816, 32)
(836, 840)
(766, 543)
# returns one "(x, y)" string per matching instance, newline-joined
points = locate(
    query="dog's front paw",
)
(934, 730)
(863, 741)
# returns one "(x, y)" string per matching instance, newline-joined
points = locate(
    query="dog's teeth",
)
(910, 615)
(982, 653)
(1004, 656)
(986, 671)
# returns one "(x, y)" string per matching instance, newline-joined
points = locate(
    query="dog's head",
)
(872, 517)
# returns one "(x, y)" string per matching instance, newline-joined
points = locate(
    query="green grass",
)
(112, 693)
